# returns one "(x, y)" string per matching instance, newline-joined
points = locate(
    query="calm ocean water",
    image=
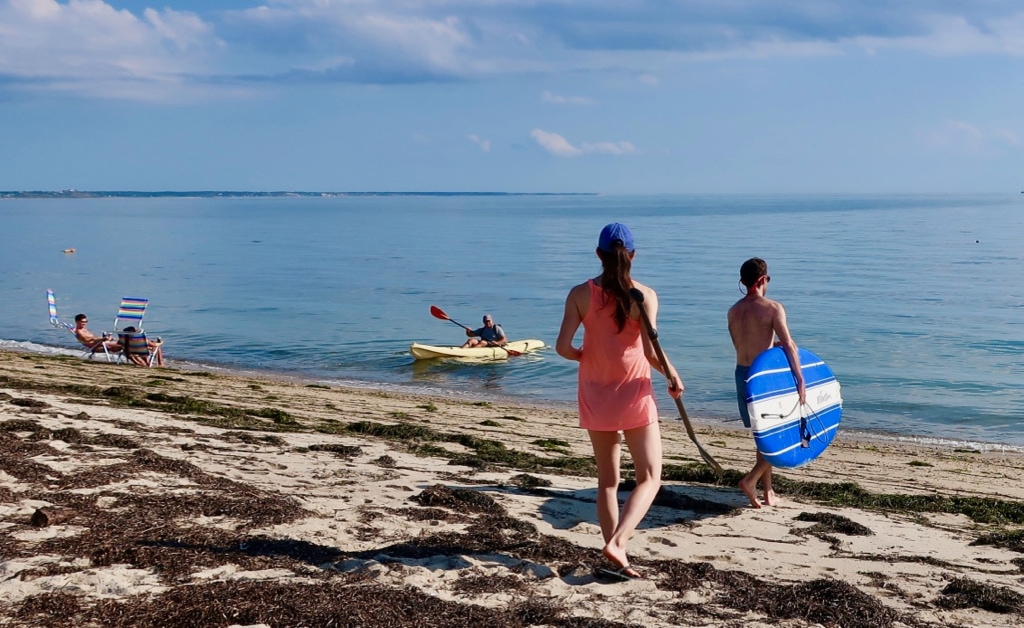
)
(917, 302)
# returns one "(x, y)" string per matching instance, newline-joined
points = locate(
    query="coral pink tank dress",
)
(615, 390)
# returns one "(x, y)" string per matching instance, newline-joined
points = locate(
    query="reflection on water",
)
(472, 373)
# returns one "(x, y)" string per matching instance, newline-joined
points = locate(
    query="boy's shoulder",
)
(754, 304)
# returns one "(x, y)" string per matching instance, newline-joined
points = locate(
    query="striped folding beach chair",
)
(130, 313)
(51, 302)
(137, 349)
(90, 351)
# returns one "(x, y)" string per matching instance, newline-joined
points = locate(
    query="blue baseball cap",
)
(613, 232)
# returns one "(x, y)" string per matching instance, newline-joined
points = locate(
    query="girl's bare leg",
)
(645, 448)
(607, 452)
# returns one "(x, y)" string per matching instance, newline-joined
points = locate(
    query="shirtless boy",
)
(756, 323)
(91, 340)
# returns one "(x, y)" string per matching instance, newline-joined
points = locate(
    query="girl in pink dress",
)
(615, 393)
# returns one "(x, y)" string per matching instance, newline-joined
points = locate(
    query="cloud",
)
(91, 47)
(969, 138)
(609, 148)
(380, 42)
(957, 35)
(88, 46)
(485, 145)
(554, 143)
(565, 100)
(558, 145)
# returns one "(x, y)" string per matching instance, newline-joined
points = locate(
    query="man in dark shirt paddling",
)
(490, 335)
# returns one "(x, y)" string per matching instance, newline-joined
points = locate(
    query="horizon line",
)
(73, 193)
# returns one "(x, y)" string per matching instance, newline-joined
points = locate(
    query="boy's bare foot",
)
(750, 490)
(771, 498)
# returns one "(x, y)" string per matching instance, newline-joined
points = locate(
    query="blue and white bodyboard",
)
(785, 433)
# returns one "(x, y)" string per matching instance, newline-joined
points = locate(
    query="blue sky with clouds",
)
(616, 96)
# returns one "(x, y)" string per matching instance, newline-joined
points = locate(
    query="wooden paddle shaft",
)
(652, 333)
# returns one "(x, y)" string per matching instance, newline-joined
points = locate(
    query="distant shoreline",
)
(231, 194)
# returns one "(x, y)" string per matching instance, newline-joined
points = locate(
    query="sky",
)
(608, 96)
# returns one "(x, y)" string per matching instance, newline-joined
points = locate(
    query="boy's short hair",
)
(752, 270)
(80, 317)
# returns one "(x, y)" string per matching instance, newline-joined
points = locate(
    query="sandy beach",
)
(164, 497)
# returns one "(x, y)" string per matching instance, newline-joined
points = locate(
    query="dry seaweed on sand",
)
(343, 451)
(490, 534)
(486, 452)
(28, 403)
(48, 609)
(826, 522)
(429, 514)
(14, 459)
(967, 593)
(20, 425)
(114, 440)
(459, 499)
(145, 530)
(338, 602)
(493, 531)
(1012, 540)
(528, 482)
(851, 494)
(166, 516)
(254, 439)
(823, 601)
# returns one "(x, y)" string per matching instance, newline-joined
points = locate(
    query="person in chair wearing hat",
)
(490, 335)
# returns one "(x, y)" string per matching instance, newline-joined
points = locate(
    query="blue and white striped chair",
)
(91, 350)
(51, 303)
(138, 350)
(130, 313)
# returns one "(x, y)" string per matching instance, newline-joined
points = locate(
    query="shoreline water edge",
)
(924, 344)
(666, 412)
(179, 497)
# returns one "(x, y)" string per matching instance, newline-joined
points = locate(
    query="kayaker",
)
(615, 392)
(490, 335)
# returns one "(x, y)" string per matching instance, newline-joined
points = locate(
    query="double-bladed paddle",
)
(652, 333)
(437, 312)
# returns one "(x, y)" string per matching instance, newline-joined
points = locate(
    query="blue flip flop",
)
(616, 575)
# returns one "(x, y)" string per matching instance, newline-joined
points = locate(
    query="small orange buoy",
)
(69, 250)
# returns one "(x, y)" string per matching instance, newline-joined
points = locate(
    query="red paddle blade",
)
(437, 312)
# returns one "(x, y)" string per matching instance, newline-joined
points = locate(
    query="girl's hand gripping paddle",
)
(652, 333)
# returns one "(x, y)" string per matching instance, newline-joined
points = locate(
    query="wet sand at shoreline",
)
(189, 498)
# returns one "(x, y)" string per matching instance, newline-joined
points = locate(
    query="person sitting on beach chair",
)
(139, 350)
(95, 344)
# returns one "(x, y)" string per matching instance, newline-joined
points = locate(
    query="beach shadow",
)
(485, 530)
(501, 541)
(674, 505)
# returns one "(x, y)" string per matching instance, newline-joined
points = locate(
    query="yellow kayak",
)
(426, 352)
